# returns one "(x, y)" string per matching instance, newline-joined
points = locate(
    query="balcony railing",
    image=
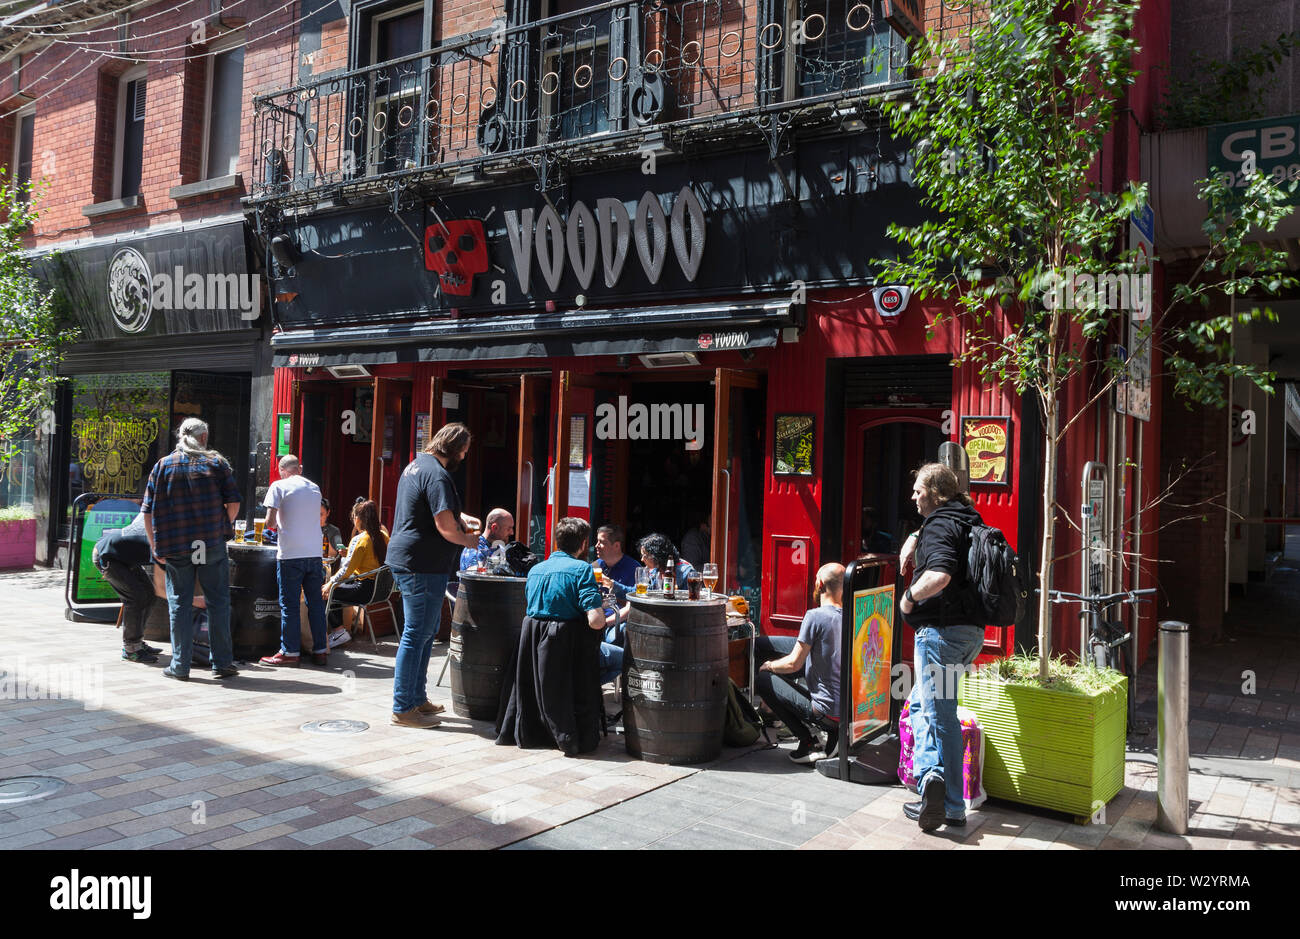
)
(613, 71)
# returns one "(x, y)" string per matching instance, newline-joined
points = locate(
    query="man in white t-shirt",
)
(293, 509)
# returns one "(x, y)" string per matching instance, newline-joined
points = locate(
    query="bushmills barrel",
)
(675, 679)
(484, 631)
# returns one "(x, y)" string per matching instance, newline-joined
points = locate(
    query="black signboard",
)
(737, 224)
(174, 283)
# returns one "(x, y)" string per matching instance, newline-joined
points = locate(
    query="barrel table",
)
(675, 679)
(254, 603)
(484, 632)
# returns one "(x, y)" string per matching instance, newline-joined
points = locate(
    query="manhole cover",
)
(18, 789)
(335, 727)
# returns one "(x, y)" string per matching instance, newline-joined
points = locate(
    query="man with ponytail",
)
(189, 502)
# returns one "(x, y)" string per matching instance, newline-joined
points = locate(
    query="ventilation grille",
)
(138, 113)
(900, 381)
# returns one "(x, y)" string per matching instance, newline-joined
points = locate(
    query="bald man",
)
(500, 526)
(293, 510)
(816, 655)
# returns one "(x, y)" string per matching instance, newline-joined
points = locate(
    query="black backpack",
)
(997, 580)
(520, 560)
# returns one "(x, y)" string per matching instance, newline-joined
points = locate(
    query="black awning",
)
(704, 327)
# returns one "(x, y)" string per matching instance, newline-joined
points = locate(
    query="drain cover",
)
(19, 789)
(335, 727)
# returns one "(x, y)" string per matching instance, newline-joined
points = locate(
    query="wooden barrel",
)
(484, 632)
(675, 679)
(254, 603)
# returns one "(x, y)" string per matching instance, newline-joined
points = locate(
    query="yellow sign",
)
(112, 452)
(985, 441)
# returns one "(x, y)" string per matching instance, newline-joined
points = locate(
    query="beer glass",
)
(693, 581)
(240, 526)
(642, 581)
(259, 525)
(710, 572)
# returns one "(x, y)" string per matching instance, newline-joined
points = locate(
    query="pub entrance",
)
(627, 461)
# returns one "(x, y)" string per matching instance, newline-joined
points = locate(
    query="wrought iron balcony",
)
(572, 88)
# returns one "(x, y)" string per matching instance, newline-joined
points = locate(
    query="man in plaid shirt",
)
(189, 502)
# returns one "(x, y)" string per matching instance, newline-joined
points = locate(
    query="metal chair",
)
(452, 589)
(382, 597)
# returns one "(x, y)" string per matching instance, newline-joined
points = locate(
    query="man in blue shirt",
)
(500, 527)
(553, 698)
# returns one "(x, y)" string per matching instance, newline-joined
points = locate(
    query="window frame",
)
(375, 159)
(548, 56)
(134, 73)
(215, 48)
(21, 115)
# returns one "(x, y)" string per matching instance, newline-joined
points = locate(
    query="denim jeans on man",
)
(790, 702)
(297, 576)
(941, 654)
(214, 575)
(422, 596)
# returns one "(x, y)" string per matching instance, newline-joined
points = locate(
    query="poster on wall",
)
(873, 635)
(793, 455)
(577, 440)
(283, 425)
(118, 431)
(987, 442)
(421, 431)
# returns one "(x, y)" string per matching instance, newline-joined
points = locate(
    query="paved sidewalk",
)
(224, 765)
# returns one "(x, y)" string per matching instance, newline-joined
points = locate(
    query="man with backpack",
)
(945, 613)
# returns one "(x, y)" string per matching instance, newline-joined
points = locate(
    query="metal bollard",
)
(1172, 677)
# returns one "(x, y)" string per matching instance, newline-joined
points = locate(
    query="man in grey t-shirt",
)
(815, 654)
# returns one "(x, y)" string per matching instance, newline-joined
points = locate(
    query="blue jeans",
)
(940, 657)
(422, 596)
(611, 662)
(214, 575)
(296, 576)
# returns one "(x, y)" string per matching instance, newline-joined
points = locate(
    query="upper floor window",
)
(22, 162)
(837, 46)
(575, 67)
(224, 110)
(396, 102)
(129, 155)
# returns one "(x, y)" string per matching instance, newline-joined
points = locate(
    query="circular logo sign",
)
(891, 301)
(130, 290)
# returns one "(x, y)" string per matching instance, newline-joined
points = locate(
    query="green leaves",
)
(32, 334)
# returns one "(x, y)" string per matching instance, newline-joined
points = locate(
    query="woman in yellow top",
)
(366, 553)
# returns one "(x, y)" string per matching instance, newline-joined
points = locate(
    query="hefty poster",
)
(873, 633)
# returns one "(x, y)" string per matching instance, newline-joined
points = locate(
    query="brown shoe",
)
(279, 659)
(413, 718)
(428, 707)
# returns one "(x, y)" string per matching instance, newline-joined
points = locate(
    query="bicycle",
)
(1108, 640)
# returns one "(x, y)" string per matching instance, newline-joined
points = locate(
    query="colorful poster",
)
(793, 454)
(873, 650)
(987, 442)
(105, 515)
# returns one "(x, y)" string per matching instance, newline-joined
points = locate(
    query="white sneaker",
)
(805, 754)
(339, 637)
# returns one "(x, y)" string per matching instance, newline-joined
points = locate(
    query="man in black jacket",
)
(937, 607)
(120, 555)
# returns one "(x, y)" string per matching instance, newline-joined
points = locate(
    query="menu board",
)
(872, 648)
(105, 515)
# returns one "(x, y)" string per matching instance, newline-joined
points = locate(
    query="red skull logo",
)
(456, 251)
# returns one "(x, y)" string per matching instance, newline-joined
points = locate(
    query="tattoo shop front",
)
(701, 343)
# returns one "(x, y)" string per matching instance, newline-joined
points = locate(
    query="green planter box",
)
(1054, 749)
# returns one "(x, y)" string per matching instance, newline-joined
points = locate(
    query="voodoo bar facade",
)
(704, 343)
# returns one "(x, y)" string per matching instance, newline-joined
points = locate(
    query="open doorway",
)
(883, 449)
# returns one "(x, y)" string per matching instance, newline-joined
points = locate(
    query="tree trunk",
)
(1049, 535)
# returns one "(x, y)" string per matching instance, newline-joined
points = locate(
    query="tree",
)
(33, 332)
(1009, 122)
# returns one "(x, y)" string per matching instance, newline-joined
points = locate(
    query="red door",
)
(882, 448)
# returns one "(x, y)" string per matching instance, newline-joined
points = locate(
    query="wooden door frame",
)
(724, 381)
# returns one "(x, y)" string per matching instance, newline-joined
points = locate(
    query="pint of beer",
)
(259, 525)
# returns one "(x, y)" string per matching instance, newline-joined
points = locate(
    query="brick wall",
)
(76, 116)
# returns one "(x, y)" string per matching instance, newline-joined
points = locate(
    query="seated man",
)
(551, 696)
(500, 528)
(818, 648)
(331, 537)
(620, 573)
